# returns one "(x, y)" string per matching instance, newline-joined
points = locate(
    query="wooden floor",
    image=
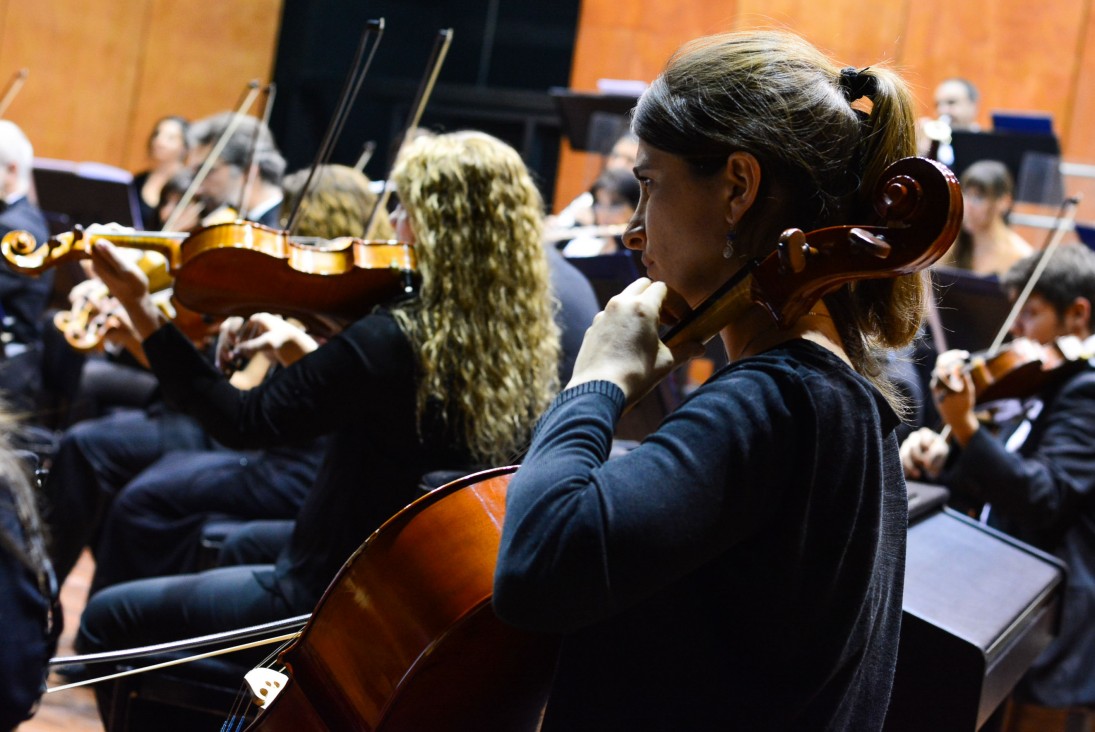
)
(72, 710)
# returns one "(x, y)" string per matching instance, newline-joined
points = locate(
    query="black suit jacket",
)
(24, 298)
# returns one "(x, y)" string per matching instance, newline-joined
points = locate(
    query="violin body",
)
(1023, 368)
(405, 639)
(242, 268)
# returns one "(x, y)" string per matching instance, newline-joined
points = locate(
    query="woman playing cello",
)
(742, 568)
(447, 380)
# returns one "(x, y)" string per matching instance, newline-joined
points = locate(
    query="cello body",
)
(405, 638)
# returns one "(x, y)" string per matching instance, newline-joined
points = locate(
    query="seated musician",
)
(167, 153)
(446, 379)
(23, 299)
(1037, 476)
(742, 568)
(151, 527)
(245, 155)
(28, 606)
(987, 245)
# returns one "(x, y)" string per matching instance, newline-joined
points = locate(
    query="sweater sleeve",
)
(314, 396)
(585, 537)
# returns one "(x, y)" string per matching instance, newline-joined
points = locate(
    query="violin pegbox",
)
(265, 684)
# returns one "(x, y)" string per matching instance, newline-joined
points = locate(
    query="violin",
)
(241, 268)
(1022, 368)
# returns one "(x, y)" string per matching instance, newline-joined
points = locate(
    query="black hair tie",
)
(855, 84)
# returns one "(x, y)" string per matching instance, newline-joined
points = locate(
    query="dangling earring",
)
(728, 250)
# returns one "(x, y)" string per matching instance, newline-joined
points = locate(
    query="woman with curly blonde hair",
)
(449, 380)
(484, 279)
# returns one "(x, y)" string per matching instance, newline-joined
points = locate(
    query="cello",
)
(426, 651)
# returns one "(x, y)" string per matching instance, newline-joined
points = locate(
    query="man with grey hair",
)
(249, 147)
(23, 299)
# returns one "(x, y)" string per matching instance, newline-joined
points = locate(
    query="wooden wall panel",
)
(101, 71)
(1022, 58)
(197, 63)
(1018, 58)
(82, 60)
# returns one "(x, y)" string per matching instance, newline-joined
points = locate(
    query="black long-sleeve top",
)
(1044, 494)
(741, 569)
(360, 388)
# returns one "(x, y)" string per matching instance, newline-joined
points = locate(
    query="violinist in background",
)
(987, 245)
(152, 528)
(615, 196)
(167, 153)
(742, 568)
(1037, 477)
(579, 212)
(23, 299)
(452, 378)
(956, 101)
(28, 594)
(248, 169)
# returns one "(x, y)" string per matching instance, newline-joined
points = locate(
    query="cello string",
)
(351, 86)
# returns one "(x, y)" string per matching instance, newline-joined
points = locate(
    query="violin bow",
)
(367, 151)
(351, 86)
(295, 623)
(251, 91)
(14, 86)
(425, 88)
(270, 91)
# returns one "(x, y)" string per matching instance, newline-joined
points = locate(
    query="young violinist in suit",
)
(742, 567)
(451, 378)
(1038, 475)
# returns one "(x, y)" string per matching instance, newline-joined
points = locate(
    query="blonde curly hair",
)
(482, 324)
(338, 204)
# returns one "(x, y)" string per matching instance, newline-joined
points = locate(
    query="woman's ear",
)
(742, 176)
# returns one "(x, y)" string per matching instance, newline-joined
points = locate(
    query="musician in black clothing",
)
(449, 379)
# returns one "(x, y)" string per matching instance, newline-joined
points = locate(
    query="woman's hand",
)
(923, 454)
(622, 344)
(128, 284)
(272, 335)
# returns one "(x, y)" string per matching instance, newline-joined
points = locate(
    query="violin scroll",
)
(26, 256)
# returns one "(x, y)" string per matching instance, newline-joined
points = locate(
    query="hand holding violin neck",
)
(25, 255)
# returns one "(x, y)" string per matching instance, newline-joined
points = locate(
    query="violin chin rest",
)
(265, 684)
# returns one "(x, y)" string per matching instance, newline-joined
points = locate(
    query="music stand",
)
(591, 121)
(1033, 123)
(84, 193)
(1007, 147)
(971, 307)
